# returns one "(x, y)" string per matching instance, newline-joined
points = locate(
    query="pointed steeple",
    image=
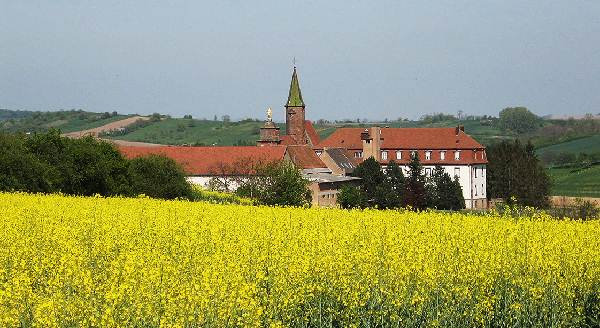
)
(295, 96)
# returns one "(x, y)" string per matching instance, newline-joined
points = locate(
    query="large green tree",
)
(277, 183)
(444, 193)
(397, 182)
(375, 185)
(48, 162)
(20, 170)
(518, 120)
(158, 177)
(84, 166)
(515, 172)
(415, 194)
(351, 197)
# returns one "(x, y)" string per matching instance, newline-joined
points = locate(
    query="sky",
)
(355, 59)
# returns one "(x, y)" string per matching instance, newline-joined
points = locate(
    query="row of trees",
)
(389, 188)
(48, 162)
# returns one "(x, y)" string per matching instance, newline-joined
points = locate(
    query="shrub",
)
(159, 177)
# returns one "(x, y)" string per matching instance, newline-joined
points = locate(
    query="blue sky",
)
(356, 59)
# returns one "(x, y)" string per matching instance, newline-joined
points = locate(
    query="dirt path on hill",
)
(132, 143)
(95, 132)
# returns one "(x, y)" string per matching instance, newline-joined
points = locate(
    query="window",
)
(413, 154)
(384, 155)
(398, 154)
(427, 172)
(428, 155)
(457, 155)
(442, 155)
(457, 171)
(476, 172)
(358, 154)
(318, 152)
(482, 193)
(482, 172)
(475, 190)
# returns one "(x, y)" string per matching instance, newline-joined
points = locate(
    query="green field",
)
(588, 145)
(173, 131)
(576, 182)
(66, 121)
(178, 131)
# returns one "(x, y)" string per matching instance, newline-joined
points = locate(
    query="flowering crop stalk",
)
(111, 262)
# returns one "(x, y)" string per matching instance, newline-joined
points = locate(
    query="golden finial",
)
(269, 114)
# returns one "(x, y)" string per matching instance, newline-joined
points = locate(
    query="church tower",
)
(294, 112)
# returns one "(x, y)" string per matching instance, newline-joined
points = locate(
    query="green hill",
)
(177, 131)
(576, 182)
(66, 121)
(589, 144)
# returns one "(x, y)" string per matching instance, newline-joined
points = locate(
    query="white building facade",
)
(451, 148)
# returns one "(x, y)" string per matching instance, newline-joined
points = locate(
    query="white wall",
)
(466, 178)
(199, 181)
(203, 182)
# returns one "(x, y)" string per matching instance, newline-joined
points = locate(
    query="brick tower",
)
(269, 133)
(294, 112)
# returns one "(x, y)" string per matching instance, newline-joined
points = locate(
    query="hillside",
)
(66, 121)
(588, 145)
(176, 131)
(576, 182)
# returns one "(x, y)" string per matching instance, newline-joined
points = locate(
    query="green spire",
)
(295, 96)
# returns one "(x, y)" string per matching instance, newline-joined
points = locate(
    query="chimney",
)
(371, 141)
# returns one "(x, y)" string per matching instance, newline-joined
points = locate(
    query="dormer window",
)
(457, 155)
(384, 155)
(428, 155)
(398, 154)
(413, 154)
(443, 155)
(318, 152)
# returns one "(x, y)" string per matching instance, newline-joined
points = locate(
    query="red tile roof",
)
(304, 157)
(311, 133)
(404, 138)
(211, 160)
(287, 140)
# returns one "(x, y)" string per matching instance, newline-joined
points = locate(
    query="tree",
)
(443, 192)
(20, 170)
(515, 172)
(397, 182)
(415, 194)
(375, 185)
(351, 197)
(518, 119)
(159, 177)
(84, 166)
(276, 183)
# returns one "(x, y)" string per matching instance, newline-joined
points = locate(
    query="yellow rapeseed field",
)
(108, 262)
